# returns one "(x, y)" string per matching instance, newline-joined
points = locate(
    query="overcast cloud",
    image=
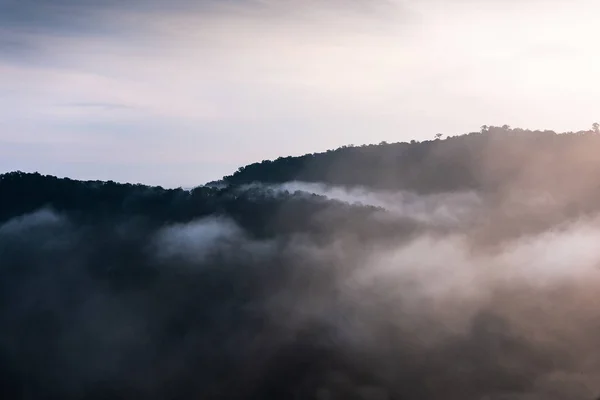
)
(182, 92)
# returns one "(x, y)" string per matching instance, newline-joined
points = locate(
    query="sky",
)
(181, 92)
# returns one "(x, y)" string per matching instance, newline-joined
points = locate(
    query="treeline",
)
(261, 212)
(111, 296)
(497, 161)
(484, 161)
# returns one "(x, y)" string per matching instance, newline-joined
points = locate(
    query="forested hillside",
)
(486, 161)
(463, 268)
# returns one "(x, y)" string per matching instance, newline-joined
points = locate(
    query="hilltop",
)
(484, 161)
(460, 268)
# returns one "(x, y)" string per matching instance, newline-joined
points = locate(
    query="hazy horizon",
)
(183, 92)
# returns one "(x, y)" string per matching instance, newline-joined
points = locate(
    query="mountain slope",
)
(487, 161)
(474, 277)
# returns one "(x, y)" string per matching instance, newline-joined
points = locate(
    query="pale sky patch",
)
(215, 85)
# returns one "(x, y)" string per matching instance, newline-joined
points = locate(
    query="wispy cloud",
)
(102, 106)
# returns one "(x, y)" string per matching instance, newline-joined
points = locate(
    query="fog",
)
(446, 208)
(205, 309)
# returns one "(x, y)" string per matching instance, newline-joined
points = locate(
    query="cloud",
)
(437, 209)
(306, 76)
(196, 239)
(136, 308)
(28, 223)
(111, 18)
(103, 106)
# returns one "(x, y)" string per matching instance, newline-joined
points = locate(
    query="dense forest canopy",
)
(478, 160)
(462, 268)
(499, 161)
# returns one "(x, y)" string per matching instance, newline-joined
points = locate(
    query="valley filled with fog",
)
(469, 271)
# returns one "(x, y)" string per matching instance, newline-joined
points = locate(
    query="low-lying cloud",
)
(446, 208)
(206, 309)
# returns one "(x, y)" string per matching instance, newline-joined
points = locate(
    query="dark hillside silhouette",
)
(484, 161)
(263, 213)
(478, 284)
